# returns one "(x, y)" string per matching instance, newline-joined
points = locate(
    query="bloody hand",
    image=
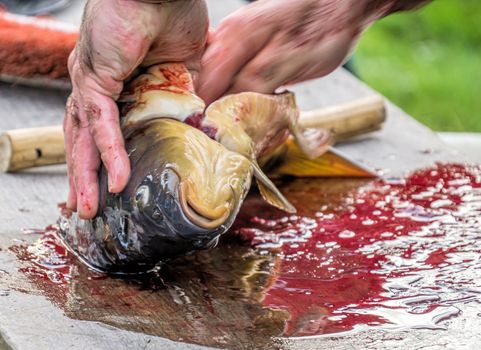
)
(116, 37)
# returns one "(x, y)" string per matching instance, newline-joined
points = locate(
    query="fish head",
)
(185, 189)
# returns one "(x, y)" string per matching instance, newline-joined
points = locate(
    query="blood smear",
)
(378, 255)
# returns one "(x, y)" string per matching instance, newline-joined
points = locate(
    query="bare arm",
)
(271, 43)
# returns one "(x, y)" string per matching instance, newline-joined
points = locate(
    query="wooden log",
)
(32, 147)
(348, 120)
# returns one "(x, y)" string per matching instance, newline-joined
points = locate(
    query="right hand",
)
(271, 43)
(116, 37)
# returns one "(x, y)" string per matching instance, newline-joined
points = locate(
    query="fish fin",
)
(331, 164)
(262, 118)
(270, 192)
(313, 142)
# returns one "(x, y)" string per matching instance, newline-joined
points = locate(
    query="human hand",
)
(116, 37)
(271, 43)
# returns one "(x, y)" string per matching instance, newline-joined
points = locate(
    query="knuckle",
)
(92, 112)
(232, 23)
(242, 85)
(71, 114)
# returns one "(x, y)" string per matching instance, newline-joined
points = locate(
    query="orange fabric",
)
(28, 50)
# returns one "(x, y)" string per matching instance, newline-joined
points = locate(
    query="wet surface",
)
(403, 253)
(392, 255)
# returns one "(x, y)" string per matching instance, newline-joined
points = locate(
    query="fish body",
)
(191, 168)
(255, 125)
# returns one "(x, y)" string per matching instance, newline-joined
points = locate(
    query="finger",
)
(100, 113)
(103, 118)
(229, 51)
(72, 192)
(71, 112)
(279, 64)
(86, 162)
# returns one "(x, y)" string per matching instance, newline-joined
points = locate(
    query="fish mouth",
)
(201, 215)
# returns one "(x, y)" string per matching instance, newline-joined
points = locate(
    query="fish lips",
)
(161, 215)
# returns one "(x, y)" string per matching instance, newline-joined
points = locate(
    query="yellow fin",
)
(331, 164)
(270, 192)
(312, 142)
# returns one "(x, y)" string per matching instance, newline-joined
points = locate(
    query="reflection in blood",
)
(382, 254)
(48, 263)
(49, 258)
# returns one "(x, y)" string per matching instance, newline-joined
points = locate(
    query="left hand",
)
(116, 37)
(270, 43)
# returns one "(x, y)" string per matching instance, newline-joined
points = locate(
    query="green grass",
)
(428, 62)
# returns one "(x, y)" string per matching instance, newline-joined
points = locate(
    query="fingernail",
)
(111, 183)
(84, 208)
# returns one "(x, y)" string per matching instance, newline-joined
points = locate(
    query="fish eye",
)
(142, 196)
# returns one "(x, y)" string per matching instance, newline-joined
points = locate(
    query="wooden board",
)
(29, 200)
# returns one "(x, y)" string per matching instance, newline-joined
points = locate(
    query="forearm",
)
(376, 9)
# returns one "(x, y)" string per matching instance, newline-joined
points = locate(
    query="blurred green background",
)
(428, 62)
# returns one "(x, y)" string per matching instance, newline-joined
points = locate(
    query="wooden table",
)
(29, 200)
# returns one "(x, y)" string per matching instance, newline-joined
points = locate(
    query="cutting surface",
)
(32, 321)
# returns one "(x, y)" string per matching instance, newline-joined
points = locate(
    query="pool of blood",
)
(359, 254)
(390, 254)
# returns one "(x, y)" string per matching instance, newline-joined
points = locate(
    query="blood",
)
(93, 112)
(47, 263)
(166, 86)
(177, 80)
(195, 120)
(210, 131)
(358, 255)
(337, 263)
(178, 76)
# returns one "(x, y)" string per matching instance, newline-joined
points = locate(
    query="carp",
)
(191, 168)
